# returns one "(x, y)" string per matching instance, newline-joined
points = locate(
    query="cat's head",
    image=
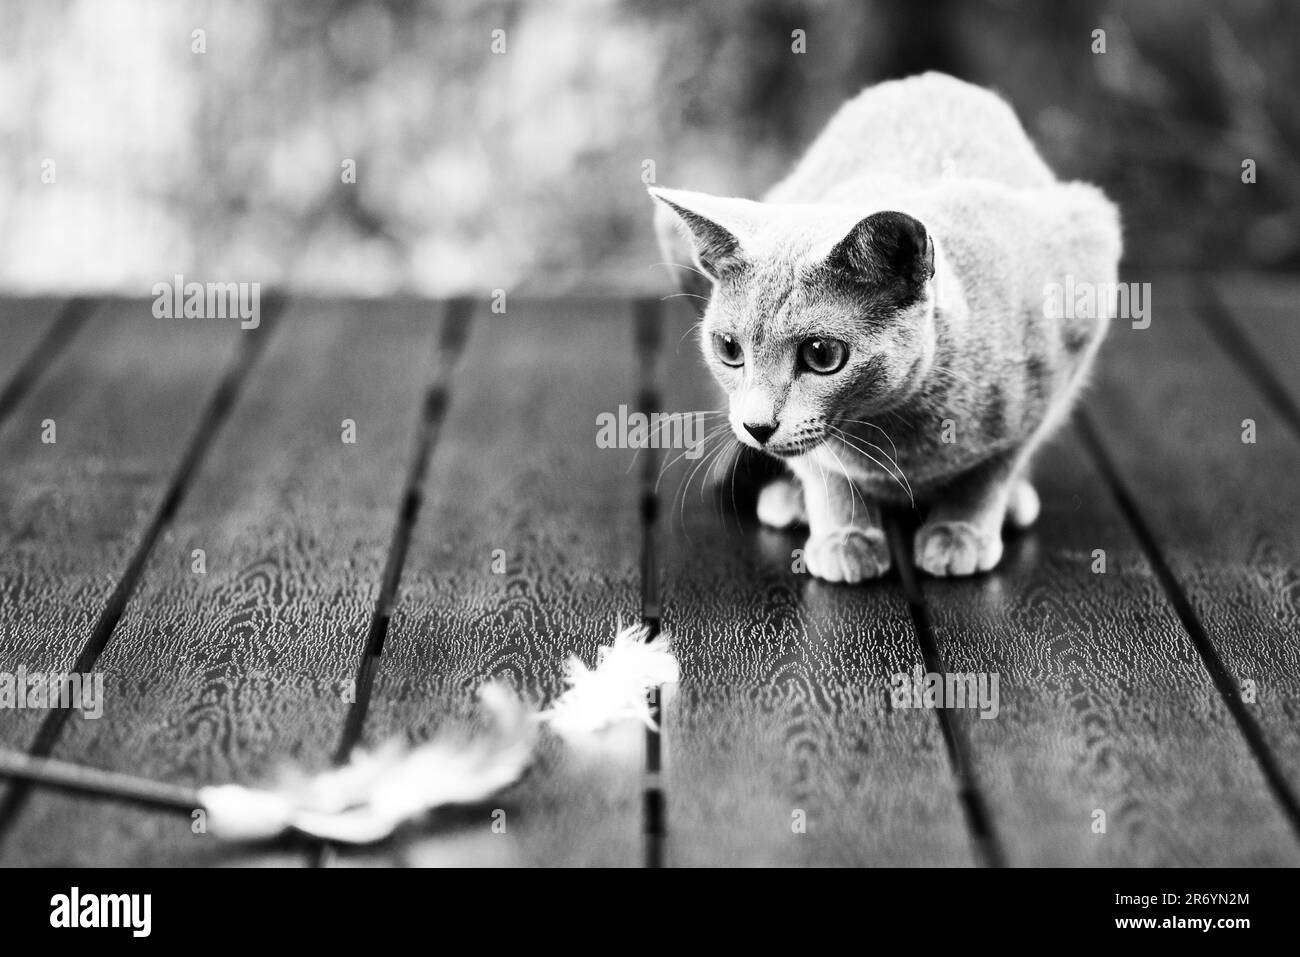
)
(819, 315)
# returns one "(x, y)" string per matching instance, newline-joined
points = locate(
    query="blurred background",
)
(215, 138)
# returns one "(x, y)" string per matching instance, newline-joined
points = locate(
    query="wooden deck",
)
(334, 566)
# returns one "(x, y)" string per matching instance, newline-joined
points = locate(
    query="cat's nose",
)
(761, 432)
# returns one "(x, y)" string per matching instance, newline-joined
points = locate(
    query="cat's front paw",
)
(848, 555)
(780, 505)
(957, 548)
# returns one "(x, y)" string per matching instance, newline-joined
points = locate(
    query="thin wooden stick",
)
(78, 779)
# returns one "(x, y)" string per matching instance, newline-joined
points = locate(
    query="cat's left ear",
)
(714, 224)
(886, 247)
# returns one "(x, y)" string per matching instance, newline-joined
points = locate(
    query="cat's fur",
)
(922, 230)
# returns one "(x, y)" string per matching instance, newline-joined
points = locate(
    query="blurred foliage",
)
(477, 170)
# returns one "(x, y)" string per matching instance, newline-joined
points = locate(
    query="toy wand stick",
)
(78, 779)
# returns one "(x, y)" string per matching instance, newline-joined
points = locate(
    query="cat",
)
(878, 321)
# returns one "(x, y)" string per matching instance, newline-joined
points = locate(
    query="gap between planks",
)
(984, 839)
(457, 316)
(72, 316)
(648, 319)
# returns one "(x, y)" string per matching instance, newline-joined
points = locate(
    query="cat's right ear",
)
(884, 247)
(716, 247)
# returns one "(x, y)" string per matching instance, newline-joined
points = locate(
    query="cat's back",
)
(915, 130)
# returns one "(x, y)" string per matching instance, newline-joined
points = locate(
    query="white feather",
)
(367, 799)
(616, 689)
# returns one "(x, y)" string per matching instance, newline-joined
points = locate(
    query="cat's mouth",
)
(795, 447)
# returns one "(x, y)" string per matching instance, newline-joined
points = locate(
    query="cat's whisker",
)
(826, 488)
(900, 478)
(661, 425)
(703, 465)
(853, 489)
(683, 484)
(891, 460)
(731, 449)
(686, 488)
(704, 480)
(877, 428)
(675, 295)
(711, 434)
(683, 266)
(902, 482)
(735, 464)
(681, 490)
(696, 326)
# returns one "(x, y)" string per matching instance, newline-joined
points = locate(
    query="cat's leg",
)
(962, 534)
(846, 541)
(780, 504)
(1023, 505)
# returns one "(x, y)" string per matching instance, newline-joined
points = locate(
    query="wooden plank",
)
(23, 324)
(125, 397)
(1104, 704)
(1224, 513)
(783, 705)
(1266, 308)
(226, 675)
(517, 468)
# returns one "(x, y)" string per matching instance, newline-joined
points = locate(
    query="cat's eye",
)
(823, 356)
(728, 349)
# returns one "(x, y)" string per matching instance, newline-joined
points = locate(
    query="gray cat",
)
(880, 324)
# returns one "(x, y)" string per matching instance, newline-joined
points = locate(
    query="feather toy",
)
(616, 689)
(372, 795)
